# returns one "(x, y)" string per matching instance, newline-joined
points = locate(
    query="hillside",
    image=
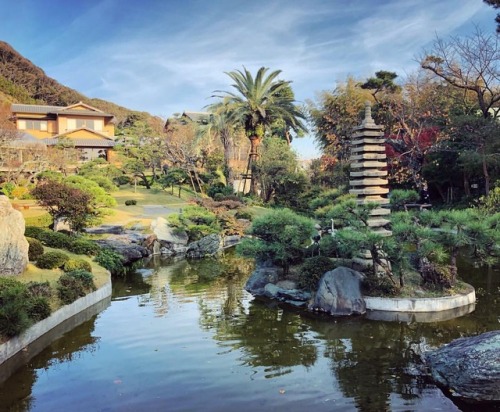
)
(23, 82)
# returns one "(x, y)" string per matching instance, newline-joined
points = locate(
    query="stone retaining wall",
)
(420, 304)
(18, 343)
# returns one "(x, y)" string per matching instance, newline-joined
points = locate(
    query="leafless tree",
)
(470, 63)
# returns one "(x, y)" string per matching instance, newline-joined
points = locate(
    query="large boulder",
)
(13, 244)
(127, 245)
(469, 368)
(167, 234)
(339, 293)
(208, 246)
(264, 274)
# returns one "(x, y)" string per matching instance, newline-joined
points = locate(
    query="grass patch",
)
(35, 274)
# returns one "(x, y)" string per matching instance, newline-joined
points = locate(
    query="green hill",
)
(23, 82)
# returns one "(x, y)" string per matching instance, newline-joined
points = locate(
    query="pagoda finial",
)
(368, 120)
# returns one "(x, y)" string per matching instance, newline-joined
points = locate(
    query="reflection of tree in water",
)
(17, 390)
(269, 337)
(372, 360)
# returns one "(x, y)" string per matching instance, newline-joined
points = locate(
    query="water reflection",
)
(187, 330)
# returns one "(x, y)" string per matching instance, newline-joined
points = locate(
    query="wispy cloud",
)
(168, 56)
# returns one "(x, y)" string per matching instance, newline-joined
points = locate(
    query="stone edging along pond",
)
(18, 343)
(413, 305)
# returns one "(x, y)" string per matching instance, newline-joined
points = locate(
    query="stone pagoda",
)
(368, 175)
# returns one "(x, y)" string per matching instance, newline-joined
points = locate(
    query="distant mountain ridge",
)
(23, 82)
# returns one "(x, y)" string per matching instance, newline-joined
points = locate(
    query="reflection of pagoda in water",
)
(368, 176)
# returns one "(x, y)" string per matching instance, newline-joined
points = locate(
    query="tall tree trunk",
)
(485, 173)
(228, 171)
(253, 157)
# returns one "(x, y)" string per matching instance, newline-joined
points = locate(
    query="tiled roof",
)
(82, 142)
(41, 109)
(197, 116)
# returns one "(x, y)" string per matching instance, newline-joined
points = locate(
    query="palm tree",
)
(257, 104)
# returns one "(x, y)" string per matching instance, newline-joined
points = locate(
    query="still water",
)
(187, 337)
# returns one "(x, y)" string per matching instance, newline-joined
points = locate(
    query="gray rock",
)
(207, 246)
(271, 291)
(293, 297)
(103, 229)
(13, 244)
(259, 278)
(231, 240)
(469, 367)
(61, 223)
(339, 293)
(166, 233)
(130, 251)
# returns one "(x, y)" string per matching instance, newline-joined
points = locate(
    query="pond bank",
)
(30, 336)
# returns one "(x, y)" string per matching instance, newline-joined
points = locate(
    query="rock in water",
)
(339, 293)
(13, 244)
(469, 367)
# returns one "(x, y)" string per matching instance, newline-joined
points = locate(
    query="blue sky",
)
(167, 56)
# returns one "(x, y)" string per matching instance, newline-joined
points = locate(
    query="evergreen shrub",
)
(52, 260)
(110, 260)
(35, 249)
(74, 264)
(83, 247)
(75, 284)
(311, 271)
(130, 202)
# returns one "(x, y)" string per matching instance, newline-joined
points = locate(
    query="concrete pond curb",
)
(29, 337)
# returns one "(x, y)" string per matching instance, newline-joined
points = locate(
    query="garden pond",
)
(185, 336)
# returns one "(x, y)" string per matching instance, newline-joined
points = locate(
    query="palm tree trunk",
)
(253, 157)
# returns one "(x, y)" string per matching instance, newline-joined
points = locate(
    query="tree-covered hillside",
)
(23, 82)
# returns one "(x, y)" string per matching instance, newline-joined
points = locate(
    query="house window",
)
(92, 124)
(32, 125)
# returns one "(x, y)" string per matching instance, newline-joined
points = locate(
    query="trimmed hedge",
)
(74, 285)
(52, 260)
(312, 270)
(130, 202)
(83, 247)
(74, 264)
(35, 249)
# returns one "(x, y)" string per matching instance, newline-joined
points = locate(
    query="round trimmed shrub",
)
(39, 289)
(312, 270)
(130, 202)
(55, 239)
(74, 264)
(35, 249)
(74, 285)
(39, 308)
(52, 260)
(34, 232)
(83, 247)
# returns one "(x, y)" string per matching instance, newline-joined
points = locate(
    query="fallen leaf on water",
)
(282, 391)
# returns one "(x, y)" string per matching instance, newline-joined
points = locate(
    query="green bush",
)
(74, 264)
(52, 260)
(39, 289)
(39, 308)
(111, 260)
(35, 249)
(378, 286)
(121, 180)
(83, 247)
(34, 232)
(55, 239)
(14, 299)
(130, 202)
(243, 214)
(399, 197)
(105, 182)
(74, 285)
(220, 190)
(311, 271)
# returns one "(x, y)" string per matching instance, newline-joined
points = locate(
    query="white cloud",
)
(165, 57)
